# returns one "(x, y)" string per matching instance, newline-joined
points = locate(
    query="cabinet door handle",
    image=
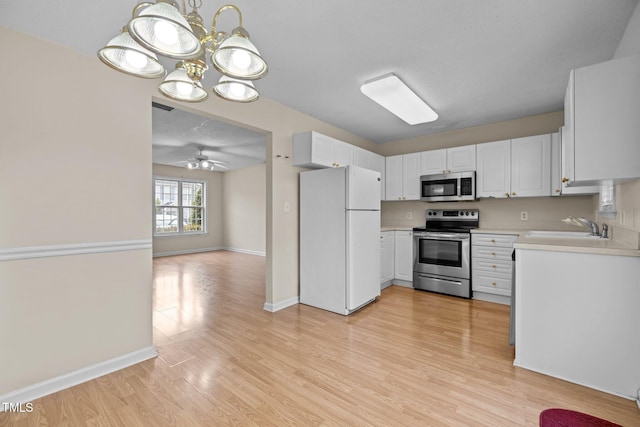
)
(506, 194)
(513, 194)
(565, 179)
(493, 253)
(493, 240)
(557, 190)
(493, 265)
(493, 283)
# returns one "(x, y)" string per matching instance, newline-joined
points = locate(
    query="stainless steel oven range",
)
(442, 251)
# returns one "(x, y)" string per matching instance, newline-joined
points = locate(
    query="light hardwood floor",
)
(412, 358)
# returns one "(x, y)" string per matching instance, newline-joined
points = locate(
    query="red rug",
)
(565, 418)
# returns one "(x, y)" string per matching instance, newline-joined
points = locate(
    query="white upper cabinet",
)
(447, 160)
(531, 166)
(461, 159)
(493, 178)
(378, 164)
(559, 188)
(519, 167)
(362, 157)
(315, 150)
(403, 177)
(602, 125)
(411, 176)
(433, 162)
(393, 181)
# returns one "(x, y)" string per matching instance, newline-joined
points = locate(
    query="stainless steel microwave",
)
(448, 187)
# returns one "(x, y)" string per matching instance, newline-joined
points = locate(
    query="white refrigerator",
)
(339, 238)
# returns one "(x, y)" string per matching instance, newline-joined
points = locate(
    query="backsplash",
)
(544, 213)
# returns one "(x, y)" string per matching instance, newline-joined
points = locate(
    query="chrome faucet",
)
(584, 222)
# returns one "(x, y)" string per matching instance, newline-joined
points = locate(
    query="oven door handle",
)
(443, 236)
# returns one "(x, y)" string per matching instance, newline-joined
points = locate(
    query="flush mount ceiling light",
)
(391, 93)
(162, 29)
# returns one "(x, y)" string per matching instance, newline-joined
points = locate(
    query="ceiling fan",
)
(200, 161)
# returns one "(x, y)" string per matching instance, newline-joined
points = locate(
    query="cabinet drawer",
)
(491, 253)
(492, 266)
(494, 284)
(499, 240)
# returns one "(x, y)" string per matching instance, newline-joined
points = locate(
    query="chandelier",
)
(162, 29)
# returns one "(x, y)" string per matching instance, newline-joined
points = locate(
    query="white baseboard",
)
(44, 388)
(403, 283)
(245, 251)
(187, 251)
(282, 304)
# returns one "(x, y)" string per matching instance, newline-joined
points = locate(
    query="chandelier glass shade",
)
(127, 56)
(236, 90)
(237, 57)
(178, 85)
(162, 29)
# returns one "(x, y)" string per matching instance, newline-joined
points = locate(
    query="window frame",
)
(180, 207)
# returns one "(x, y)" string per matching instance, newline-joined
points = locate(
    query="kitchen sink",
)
(561, 234)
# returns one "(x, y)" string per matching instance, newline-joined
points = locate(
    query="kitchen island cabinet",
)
(576, 317)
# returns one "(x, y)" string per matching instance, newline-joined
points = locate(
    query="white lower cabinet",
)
(491, 267)
(387, 258)
(403, 262)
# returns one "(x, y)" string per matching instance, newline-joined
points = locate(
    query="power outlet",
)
(524, 216)
(409, 215)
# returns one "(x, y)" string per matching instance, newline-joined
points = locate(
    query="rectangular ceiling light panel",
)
(391, 93)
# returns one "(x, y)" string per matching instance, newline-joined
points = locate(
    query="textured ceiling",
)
(473, 61)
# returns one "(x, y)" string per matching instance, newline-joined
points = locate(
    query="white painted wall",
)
(244, 209)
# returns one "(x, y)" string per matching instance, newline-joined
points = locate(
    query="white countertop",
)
(396, 228)
(593, 246)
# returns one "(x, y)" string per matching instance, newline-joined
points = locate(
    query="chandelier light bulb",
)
(204, 164)
(241, 59)
(136, 59)
(237, 90)
(184, 88)
(165, 32)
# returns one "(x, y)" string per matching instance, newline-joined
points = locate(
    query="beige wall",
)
(244, 209)
(75, 174)
(545, 213)
(214, 237)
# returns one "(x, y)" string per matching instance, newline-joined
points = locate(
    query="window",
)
(179, 207)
